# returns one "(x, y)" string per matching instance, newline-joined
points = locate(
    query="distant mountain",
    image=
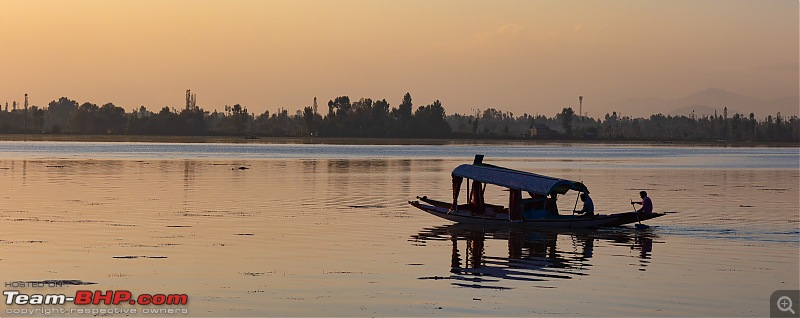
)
(706, 102)
(788, 106)
(702, 110)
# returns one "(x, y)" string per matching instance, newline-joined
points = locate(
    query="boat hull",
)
(559, 221)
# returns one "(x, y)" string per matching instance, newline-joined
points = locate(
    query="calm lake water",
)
(289, 229)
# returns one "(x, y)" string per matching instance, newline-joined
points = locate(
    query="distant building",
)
(542, 130)
(590, 133)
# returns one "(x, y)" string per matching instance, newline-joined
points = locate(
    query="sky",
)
(527, 56)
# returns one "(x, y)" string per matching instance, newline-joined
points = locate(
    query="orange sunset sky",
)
(527, 56)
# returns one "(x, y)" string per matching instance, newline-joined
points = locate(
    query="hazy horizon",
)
(532, 57)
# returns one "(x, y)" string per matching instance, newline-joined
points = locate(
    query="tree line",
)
(366, 117)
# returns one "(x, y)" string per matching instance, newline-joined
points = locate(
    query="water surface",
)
(324, 230)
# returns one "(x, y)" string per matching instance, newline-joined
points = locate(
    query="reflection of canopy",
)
(517, 180)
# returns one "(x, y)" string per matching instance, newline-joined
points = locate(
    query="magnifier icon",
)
(785, 304)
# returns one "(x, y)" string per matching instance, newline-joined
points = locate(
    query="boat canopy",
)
(517, 180)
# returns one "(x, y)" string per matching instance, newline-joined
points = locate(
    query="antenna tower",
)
(25, 115)
(580, 107)
(191, 100)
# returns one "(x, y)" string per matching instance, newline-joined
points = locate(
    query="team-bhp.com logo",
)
(97, 297)
(86, 297)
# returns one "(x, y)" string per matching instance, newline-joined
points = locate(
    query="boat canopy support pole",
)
(477, 197)
(469, 193)
(456, 190)
(576, 203)
(514, 205)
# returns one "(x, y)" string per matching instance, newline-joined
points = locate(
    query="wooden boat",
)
(535, 211)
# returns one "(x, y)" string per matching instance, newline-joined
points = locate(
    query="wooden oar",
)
(639, 226)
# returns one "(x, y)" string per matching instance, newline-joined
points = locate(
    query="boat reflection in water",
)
(532, 254)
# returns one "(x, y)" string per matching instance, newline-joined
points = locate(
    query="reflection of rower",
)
(588, 247)
(645, 245)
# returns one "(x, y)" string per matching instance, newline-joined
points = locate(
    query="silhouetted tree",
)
(404, 110)
(59, 113)
(429, 121)
(373, 118)
(308, 119)
(565, 117)
(38, 117)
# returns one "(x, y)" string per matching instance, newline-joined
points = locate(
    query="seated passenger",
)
(536, 202)
(551, 204)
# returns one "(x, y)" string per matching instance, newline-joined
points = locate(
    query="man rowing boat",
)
(588, 205)
(647, 204)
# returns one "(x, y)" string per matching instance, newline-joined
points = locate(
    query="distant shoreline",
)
(373, 141)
